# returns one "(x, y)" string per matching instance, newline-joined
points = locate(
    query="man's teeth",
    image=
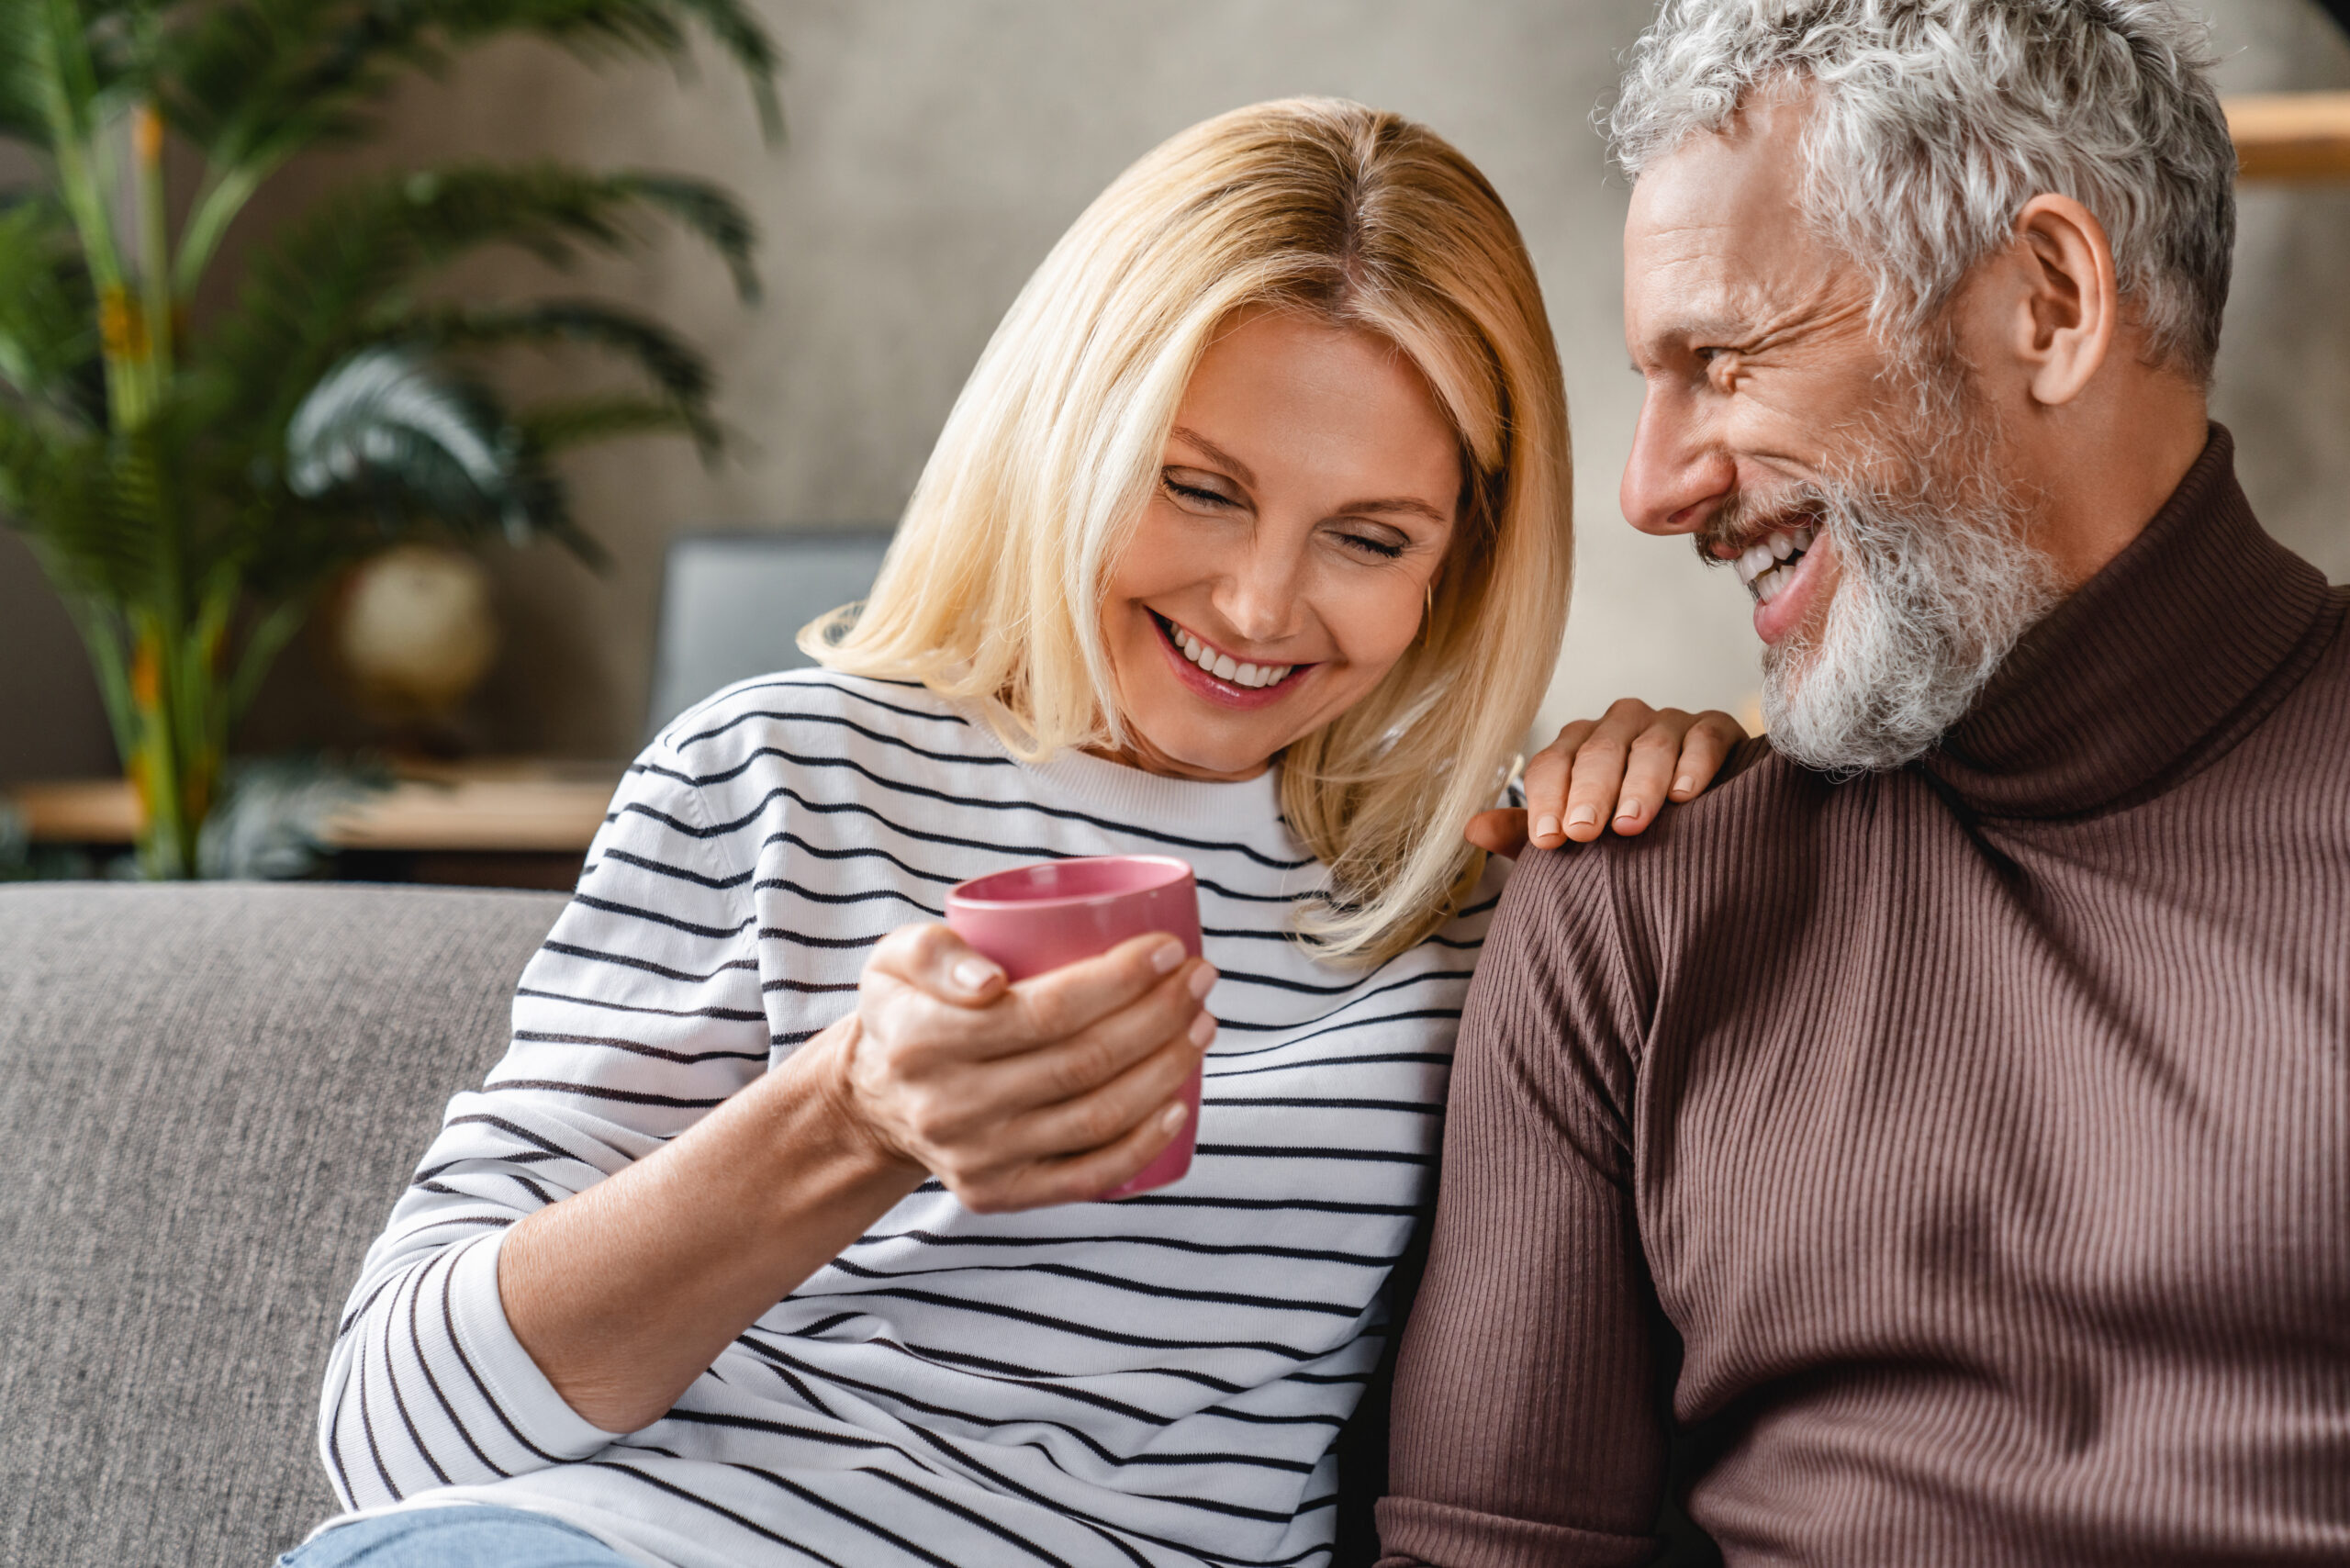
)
(1759, 567)
(1222, 665)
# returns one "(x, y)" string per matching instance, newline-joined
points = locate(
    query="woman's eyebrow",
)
(1396, 503)
(1214, 454)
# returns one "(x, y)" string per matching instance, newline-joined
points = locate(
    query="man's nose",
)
(1676, 473)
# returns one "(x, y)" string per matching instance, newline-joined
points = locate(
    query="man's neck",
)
(2102, 473)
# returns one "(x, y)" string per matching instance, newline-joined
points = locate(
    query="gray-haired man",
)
(1965, 1083)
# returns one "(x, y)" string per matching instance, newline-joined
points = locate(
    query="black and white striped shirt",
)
(1155, 1381)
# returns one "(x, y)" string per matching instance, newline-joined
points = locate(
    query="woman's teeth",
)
(1222, 665)
(1761, 567)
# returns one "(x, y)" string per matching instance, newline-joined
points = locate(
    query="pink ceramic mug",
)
(1035, 918)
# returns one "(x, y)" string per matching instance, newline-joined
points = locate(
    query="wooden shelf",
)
(2290, 136)
(509, 807)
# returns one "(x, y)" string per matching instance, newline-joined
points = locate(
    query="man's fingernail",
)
(1546, 828)
(1684, 784)
(972, 974)
(1628, 812)
(1165, 955)
(1203, 1030)
(1582, 816)
(1203, 981)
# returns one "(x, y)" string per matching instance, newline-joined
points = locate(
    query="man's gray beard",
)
(1937, 583)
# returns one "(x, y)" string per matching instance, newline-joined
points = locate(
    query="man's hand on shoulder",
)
(1613, 772)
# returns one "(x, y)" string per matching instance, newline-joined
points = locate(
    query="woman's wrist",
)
(820, 1136)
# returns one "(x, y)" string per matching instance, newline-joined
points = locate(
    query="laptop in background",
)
(731, 603)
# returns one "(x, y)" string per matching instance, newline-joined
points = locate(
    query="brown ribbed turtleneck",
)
(1983, 1128)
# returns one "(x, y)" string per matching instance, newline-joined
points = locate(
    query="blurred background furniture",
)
(731, 605)
(2291, 137)
(496, 822)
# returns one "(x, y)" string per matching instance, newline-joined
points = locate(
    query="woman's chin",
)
(1212, 759)
(1225, 769)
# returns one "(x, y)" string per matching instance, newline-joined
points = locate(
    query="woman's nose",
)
(1259, 599)
(1676, 469)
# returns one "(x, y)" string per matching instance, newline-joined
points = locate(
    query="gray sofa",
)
(210, 1097)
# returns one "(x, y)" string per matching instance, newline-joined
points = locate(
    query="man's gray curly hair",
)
(1936, 121)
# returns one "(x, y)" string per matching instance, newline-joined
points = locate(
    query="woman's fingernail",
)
(972, 974)
(1546, 828)
(1682, 785)
(1203, 1030)
(1628, 812)
(1172, 1117)
(1583, 816)
(1165, 955)
(1203, 981)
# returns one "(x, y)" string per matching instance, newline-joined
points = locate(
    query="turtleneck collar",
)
(2152, 668)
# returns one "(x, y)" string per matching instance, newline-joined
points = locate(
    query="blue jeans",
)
(464, 1535)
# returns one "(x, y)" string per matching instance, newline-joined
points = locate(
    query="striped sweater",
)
(1153, 1382)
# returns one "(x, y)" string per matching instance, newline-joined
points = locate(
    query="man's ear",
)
(2069, 308)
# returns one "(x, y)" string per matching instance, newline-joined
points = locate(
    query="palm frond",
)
(390, 440)
(49, 341)
(254, 81)
(710, 214)
(97, 508)
(559, 424)
(387, 430)
(342, 276)
(23, 84)
(680, 372)
(24, 461)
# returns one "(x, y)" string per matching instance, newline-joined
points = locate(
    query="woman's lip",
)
(1223, 693)
(1168, 627)
(1792, 605)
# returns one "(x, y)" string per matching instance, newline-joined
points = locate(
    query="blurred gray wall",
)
(937, 148)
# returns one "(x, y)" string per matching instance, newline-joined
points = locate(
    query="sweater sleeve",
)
(638, 1015)
(1525, 1432)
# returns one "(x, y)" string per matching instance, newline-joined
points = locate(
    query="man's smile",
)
(1769, 567)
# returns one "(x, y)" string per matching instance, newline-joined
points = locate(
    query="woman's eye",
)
(1194, 495)
(1364, 543)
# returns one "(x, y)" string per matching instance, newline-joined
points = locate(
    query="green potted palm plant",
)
(190, 485)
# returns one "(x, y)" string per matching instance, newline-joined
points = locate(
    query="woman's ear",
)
(2068, 308)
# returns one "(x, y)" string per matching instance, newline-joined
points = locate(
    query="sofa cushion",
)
(209, 1098)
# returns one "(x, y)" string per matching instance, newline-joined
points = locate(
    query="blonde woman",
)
(768, 1242)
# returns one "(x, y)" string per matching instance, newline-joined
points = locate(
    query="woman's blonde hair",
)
(992, 588)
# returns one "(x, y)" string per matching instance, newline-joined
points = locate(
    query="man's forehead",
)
(1716, 238)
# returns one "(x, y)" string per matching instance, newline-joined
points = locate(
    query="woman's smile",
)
(1221, 677)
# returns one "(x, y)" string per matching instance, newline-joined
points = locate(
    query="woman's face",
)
(1305, 502)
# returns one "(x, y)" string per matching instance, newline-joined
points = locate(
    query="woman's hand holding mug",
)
(1053, 1090)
